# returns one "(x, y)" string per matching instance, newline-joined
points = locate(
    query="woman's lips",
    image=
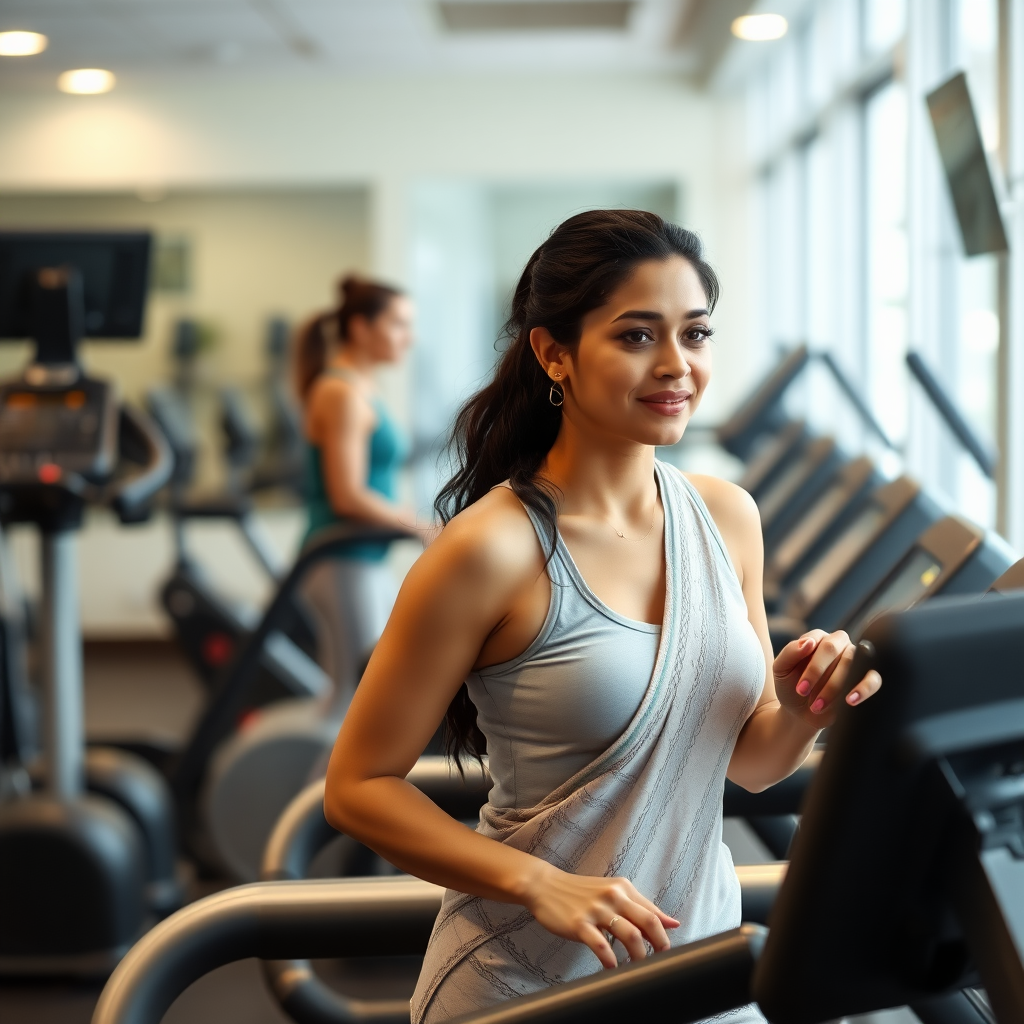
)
(667, 403)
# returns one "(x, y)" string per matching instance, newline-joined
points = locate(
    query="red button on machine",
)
(49, 473)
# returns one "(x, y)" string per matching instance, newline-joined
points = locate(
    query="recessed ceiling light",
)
(760, 28)
(86, 81)
(22, 44)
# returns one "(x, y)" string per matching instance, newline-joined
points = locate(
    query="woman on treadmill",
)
(355, 450)
(594, 618)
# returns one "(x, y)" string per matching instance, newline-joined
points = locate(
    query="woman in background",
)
(355, 452)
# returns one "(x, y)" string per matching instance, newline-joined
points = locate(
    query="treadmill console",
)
(907, 585)
(47, 431)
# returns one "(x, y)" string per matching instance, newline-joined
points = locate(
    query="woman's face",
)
(388, 336)
(644, 357)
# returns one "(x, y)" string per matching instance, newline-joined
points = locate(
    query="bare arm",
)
(458, 595)
(341, 424)
(802, 683)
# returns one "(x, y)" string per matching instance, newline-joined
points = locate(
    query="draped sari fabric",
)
(649, 808)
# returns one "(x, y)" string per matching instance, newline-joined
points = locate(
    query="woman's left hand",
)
(812, 672)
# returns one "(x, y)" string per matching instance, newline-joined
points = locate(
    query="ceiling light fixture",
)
(86, 81)
(760, 28)
(22, 44)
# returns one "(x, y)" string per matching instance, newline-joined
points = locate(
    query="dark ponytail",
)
(505, 430)
(356, 297)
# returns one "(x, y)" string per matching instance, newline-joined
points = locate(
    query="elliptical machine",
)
(79, 871)
(209, 628)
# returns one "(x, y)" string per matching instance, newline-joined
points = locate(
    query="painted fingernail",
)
(818, 706)
(852, 697)
(803, 687)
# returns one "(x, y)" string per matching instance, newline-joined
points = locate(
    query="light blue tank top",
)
(558, 706)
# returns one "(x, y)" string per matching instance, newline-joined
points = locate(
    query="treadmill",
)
(760, 413)
(818, 525)
(908, 872)
(951, 557)
(773, 456)
(1012, 579)
(796, 486)
(848, 570)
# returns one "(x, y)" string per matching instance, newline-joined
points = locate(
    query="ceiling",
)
(186, 38)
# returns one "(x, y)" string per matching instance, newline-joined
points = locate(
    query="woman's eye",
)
(638, 337)
(698, 335)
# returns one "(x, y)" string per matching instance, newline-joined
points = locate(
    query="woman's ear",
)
(550, 354)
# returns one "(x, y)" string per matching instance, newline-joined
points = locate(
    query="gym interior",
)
(185, 183)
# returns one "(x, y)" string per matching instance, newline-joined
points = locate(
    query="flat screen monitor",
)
(114, 267)
(904, 588)
(966, 167)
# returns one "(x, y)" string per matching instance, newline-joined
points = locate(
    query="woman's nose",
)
(674, 364)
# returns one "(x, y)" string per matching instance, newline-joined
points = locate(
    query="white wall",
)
(387, 133)
(255, 253)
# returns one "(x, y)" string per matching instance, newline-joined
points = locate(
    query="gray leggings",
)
(350, 601)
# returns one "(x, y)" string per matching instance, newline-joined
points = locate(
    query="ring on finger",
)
(611, 925)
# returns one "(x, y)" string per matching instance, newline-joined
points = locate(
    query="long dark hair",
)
(506, 429)
(356, 297)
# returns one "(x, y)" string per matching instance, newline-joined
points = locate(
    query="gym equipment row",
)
(907, 873)
(842, 544)
(88, 849)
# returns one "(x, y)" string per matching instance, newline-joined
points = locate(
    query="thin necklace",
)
(620, 534)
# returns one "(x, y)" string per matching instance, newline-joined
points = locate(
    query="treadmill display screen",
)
(47, 421)
(837, 560)
(904, 588)
(809, 528)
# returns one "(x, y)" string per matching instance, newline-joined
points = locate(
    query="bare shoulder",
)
(334, 403)
(727, 502)
(737, 518)
(491, 544)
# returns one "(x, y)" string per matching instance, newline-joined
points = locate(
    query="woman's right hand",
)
(585, 908)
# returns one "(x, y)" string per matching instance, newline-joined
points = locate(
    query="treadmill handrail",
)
(952, 416)
(854, 398)
(302, 831)
(315, 918)
(332, 918)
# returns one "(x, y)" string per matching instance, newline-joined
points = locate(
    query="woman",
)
(355, 451)
(606, 612)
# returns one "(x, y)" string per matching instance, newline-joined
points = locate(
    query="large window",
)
(860, 251)
(886, 267)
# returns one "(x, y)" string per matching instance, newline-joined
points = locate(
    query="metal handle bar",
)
(313, 919)
(130, 498)
(227, 701)
(950, 414)
(302, 831)
(271, 920)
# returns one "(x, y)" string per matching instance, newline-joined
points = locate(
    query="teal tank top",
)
(388, 451)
